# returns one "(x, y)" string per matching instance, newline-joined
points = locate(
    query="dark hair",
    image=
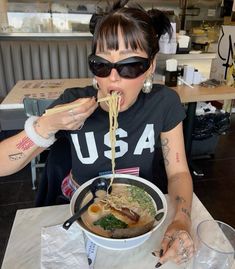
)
(141, 29)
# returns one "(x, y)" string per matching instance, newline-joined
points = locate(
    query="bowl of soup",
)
(124, 218)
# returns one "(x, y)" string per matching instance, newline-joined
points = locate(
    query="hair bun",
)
(95, 18)
(161, 22)
(118, 4)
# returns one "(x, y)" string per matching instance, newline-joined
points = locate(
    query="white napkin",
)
(62, 248)
(171, 65)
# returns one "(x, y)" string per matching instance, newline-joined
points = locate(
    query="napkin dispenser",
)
(183, 44)
(171, 73)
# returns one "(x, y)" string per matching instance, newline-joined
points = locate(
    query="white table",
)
(23, 250)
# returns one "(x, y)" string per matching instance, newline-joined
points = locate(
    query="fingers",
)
(86, 106)
(167, 242)
(178, 248)
(169, 253)
(76, 122)
(73, 119)
(79, 115)
(185, 257)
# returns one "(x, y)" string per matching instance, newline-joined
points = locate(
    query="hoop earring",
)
(148, 84)
(95, 84)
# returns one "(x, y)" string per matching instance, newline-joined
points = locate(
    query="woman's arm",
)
(177, 244)
(16, 152)
(180, 186)
(19, 150)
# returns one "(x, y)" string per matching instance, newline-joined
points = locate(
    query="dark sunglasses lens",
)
(132, 70)
(128, 68)
(100, 69)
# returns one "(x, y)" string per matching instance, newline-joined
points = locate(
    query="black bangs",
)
(106, 36)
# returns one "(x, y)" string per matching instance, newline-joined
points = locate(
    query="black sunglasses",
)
(131, 67)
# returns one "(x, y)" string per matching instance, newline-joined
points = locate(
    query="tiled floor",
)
(216, 189)
(15, 193)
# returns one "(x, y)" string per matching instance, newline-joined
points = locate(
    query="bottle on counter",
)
(196, 77)
(188, 74)
(180, 73)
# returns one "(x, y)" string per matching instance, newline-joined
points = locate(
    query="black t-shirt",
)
(137, 136)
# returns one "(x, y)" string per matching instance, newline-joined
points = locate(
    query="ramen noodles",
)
(127, 212)
(113, 103)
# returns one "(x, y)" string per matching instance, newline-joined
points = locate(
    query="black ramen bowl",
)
(153, 191)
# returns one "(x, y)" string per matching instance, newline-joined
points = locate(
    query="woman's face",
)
(128, 89)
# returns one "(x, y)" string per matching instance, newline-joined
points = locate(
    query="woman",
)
(123, 60)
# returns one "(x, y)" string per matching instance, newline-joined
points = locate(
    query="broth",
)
(127, 212)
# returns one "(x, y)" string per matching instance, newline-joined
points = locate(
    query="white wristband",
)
(34, 136)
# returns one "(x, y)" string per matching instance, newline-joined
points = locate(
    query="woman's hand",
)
(71, 119)
(177, 244)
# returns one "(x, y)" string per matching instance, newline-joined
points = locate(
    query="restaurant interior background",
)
(68, 19)
(47, 20)
(198, 17)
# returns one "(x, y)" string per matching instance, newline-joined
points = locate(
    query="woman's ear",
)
(151, 69)
(153, 64)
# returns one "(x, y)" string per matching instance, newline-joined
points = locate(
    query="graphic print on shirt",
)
(146, 141)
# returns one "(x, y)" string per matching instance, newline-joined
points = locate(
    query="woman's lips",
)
(121, 98)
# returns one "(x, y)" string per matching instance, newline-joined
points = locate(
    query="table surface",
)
(23, 249)
(52, 88)
(45, 89)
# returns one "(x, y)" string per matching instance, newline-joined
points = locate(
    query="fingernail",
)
(154, 254)
(160, 252)
(158, 265)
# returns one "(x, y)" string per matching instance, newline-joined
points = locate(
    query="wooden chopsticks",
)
(70, 106)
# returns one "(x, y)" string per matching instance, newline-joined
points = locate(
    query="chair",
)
(57, 167)
(35, 107)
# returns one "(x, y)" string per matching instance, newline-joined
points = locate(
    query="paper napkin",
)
(62, 248)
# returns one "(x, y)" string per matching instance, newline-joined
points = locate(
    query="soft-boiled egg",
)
(95, 211)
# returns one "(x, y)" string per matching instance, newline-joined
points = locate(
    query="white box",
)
(188, 74)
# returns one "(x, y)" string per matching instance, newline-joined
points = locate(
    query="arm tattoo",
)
(180, 199)
(185, 211)
(177, 157)
(173, 179)
(17, 156)
(165, 150)
(25, 144)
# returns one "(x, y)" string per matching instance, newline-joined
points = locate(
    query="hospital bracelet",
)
(34, 136)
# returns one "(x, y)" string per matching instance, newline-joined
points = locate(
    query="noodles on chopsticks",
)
(66, 107)
(113, 103)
